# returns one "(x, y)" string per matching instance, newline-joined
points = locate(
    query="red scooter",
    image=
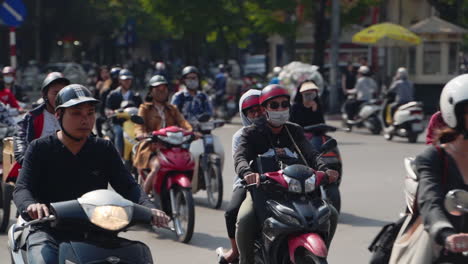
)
(173, 184)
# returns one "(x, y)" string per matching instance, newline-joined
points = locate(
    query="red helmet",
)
(8, 70)
(250, 101)
(272, 91)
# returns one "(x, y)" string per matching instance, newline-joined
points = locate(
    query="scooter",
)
(367, 116)
(209, 160)
(93, 223)
(296, 223)
(456, 203)
(173, 184)
(407, 121)
(318, 133)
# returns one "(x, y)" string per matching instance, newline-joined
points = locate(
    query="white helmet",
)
(454, 93)
(364, 69)
(402, 71)
(277, 70)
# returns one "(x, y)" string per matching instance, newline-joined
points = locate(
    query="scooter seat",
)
(410, 105)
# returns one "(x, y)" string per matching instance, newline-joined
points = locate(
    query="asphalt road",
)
(371, 197)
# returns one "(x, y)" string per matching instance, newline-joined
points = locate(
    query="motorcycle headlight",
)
(310, 184)
(109, 217)
(293, 184)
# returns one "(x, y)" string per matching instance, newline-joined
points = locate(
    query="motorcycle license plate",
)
(417, 127)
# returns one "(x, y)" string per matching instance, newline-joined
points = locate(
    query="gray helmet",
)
(190, 69)
(125, 74)
(53, 77)
(157, 80)
(73, 94)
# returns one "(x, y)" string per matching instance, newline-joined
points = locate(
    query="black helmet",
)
(157, 80)
(125, 74)
(190, 69)
(52, 78)
(114, 72)
(73, 94)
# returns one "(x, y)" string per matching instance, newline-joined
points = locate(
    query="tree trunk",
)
(320, 35)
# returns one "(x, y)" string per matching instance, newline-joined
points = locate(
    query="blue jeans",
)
(118, 138)
(42, 248)
(316, 142)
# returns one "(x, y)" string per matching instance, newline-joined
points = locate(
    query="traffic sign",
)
(12, 12)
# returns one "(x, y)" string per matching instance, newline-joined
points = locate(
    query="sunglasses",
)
(276, 105)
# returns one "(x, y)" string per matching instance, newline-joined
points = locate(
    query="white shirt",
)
(126, 95)
(51, 124)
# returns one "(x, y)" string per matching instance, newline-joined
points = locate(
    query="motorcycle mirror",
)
(204, 118)
(137, 119)
(328, 145)
(219, 123)
(456, 202)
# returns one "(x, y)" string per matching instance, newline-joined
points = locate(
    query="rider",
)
(9, 78)
(191, 102)
(276, 72)
(157, 113)
(250, 112)
(444, 229)
(73, 160)
(402, 88)
(275, 132)
(7, 88)
(220, 84)
(365, 89)
(41, 121)
(114, 100)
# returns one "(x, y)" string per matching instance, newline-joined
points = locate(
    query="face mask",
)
(258, 121)
(278, 118)
(308, 97)
(8, 79)
(191, 84)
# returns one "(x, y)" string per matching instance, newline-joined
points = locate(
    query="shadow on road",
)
(202, 202)
(201, 240)
(354, 220)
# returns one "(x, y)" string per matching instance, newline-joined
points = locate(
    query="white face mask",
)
(278, 118)
(8, 79)
(308, 97)
(191, 84)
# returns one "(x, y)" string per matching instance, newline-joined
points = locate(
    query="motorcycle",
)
(407, 120)
(173, 184)
(209, 160)
(367, 116)
(93, 222)
(456, 203)
(296, 222)
(318, 133)
(230, 108)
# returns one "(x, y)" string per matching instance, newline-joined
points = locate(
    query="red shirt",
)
(7, 97)
(435, 124)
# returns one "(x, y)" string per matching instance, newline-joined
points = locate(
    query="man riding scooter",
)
(74, 160)
(277, 134)
(115, 98)
(403, 91)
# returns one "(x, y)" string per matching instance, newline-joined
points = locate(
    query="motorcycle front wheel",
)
(184, 219)
(214, 189)
(7, 195)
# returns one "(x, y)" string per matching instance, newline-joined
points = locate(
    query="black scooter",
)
(295, 222)
(93, 222)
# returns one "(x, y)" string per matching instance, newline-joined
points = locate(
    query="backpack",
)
(381, 246)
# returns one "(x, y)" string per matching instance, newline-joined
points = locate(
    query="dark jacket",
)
(28, 129)
(257, 140)
(304, 116)
(431, 195)
(51, 173)
(115, 98)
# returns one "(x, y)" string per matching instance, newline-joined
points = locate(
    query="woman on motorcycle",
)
(157, 113)
(249, 111)
(436, 180)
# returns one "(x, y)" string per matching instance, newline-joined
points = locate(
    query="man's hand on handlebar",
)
(160, 219)
(197, 135)
(37, 211)
(333, 175)
(252, 178)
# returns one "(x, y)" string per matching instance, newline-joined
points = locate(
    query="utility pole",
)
(38, 31)
(335, 46)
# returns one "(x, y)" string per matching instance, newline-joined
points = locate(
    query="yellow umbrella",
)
(386, 35)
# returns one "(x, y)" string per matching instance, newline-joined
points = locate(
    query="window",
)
(453, 58)
(431, 57)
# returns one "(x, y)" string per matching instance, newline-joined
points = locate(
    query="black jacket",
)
(431, 195)
(304, 116)
(115, 98)
(26, 131)
(51, 173)
(257, 140)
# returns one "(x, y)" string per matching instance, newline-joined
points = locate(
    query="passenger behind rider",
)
(274, 132)
(365, 89)
(191, 102)
(115, 98)
(67, 164)
(307, 108)
(250, 112)
(402, 90)
(157, 113)
(446, 230)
